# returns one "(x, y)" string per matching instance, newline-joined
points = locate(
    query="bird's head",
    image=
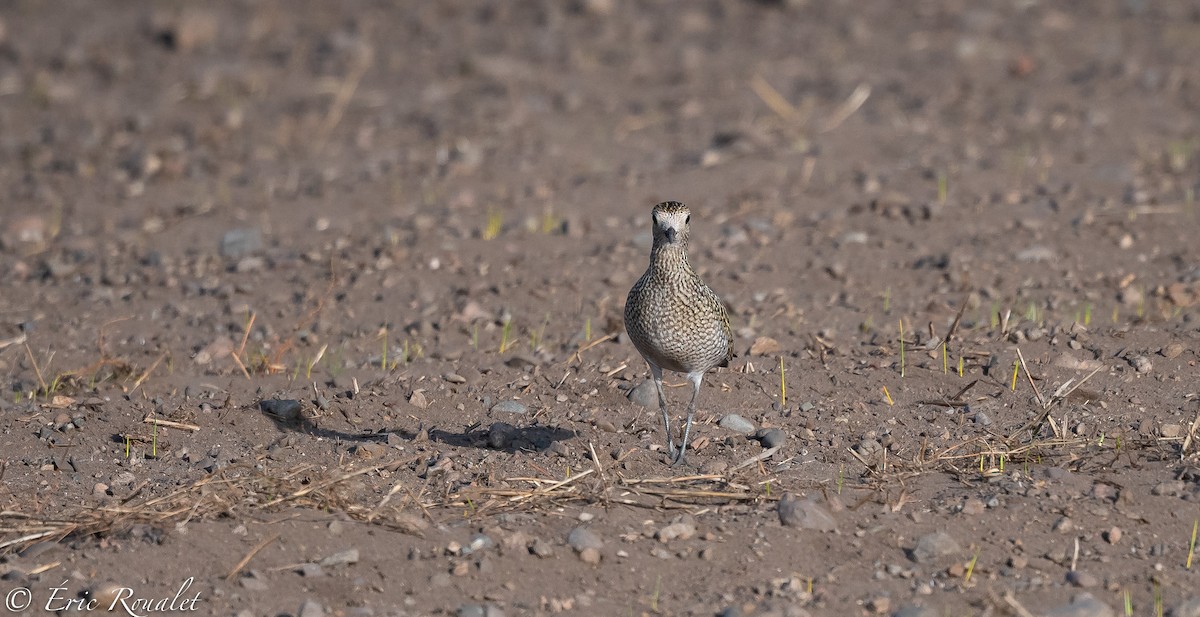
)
(671, 220)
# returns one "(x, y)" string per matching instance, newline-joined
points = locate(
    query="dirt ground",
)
(314, 308)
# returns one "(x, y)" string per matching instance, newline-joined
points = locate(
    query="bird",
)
(676, 322)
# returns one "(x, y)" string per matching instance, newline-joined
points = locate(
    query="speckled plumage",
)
(676, 322)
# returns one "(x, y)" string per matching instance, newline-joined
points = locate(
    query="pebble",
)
(1141, 364)
(590, 555)
(982, 419)
(1171, 488)
(238, 243)
(508, 407)
(582, 538)
(934, 545)
(1064, 525)
(737, 424)
(769, 438)
(1112, 536)
(1082, 605)
(311, 570)
(1172, 351)
(479, 610)
(681, 530)
(287, 409)
(805, 514)
(454, 378)
(916, 611)
(973, 507)
(644, 394)
(541, 548)
(1082, 579)
(765, 346)
(1171, 430)
(341, 558)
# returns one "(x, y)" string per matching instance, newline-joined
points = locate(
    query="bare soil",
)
(268, 268)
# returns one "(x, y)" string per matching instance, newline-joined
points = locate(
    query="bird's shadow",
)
(498, 436)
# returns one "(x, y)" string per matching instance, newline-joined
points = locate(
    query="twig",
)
(606, 337)
(326, 484)
(1016, 606)
(761, 456)
(16, 340)
(1025, 366)
(856, 99)
(171, 424)
(138, 382)
(773, 98)
(245, 560)
(41, 381)
(1187, 443)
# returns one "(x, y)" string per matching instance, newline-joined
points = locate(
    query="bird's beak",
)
(669, 232)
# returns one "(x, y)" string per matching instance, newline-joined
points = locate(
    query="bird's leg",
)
(695, 378)
(656, 374)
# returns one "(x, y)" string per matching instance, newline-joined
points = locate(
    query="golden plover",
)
(676, 322)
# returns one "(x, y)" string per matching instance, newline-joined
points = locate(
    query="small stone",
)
(1171, 488)
(1082, 579)
(590, 555)
(916, 611)
(765, 346)
(508, 407)
(340, 558)
(454, 378)
(973, 507)
(541, 548)
(581, 538)
(982, 419)
(100, 490)
(932, 546)
(878, 604)
(1141, 364)
(1171, 431)
(1064, 525)
(1018, 562)
(1036, 253)
(286, 409)
(644, 394)
(1112, 536)
(218, 349)
(805, 514)
(311, 570)
(737, 424)
(1172, 351)
(1082, 605)
(682, 530)
(238, 243)
(772, 437)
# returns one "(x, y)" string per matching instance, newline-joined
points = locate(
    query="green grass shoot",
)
(887, 300)
(128, 445)
(1087, 314)
(1115, 314)
(1128, 603)
(1192, 544)
(154, 440)
(1158, 600)
(841, 478)
(657, 593)
(971, 568)
(902, 348)
(888, 397)
(475, 337)
(960, 366)
(782, 383)
(504, 335)
(1016, 368)
(945, 360)
(494, 223)
(587, 330)
(942, 187)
